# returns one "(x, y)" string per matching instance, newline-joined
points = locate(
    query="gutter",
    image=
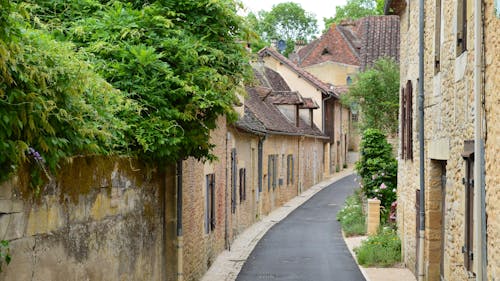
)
(421, 232)
(479, 184)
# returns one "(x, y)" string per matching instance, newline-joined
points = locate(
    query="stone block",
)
(373, 212)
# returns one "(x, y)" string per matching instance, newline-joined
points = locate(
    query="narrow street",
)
(308, 244)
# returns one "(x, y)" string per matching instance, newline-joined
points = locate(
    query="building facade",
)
(460, 240)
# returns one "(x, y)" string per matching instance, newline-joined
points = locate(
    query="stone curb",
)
(228, 264)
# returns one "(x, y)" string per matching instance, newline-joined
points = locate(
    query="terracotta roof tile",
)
(309, 103)
(359, 42)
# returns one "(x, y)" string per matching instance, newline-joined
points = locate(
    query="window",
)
(243, 184)
(407, 122)
(468, 182)
(210, 204)
(272, 169)
(461, 26)
(233, 180)
(437, 37)
(289, 169)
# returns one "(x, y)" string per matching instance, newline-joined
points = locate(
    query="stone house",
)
(333, 119)
(120, 219)
(460, 176)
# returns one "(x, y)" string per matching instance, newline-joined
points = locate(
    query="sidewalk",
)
(229, 263)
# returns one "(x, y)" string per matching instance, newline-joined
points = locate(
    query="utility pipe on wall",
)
(421, 231)
(180, 241)
(478, 147)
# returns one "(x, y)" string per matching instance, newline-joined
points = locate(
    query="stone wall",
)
(492, 91)
(99, 219)
(449, 121)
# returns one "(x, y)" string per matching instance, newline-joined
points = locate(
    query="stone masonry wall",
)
(492, 91)
(100, 219)
(449, 120)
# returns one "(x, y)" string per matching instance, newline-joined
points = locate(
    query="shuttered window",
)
(407, 122)
(289, 169)
(468, 182)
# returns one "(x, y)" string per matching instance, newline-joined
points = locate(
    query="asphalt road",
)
(308, 244)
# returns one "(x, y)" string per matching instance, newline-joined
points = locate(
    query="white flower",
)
(394, 190)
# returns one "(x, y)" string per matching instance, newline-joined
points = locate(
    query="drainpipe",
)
(180, 242)
(330, 95)
(421, 232)
(260, 159)
(478, 148)
(226, 216)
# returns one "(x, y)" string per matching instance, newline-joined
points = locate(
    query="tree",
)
(376, 92)
(181, 61)
(355, 9)
(286, 21)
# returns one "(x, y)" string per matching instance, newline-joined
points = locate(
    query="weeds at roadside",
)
(380, 250)
(351, 216)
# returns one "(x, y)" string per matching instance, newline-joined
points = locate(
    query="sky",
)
(321, 8)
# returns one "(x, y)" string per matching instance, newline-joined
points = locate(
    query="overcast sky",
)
(321, 8)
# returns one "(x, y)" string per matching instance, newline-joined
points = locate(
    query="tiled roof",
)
(262, 115)
(359, 42)
(380, 39)
(331, 46)
(285, 97)
(309, 103)
(301, 72)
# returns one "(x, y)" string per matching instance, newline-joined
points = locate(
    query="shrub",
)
(351, 216)
(383, 249)
(377, 168)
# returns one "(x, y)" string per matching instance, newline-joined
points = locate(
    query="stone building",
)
(461, 232)
(333, 119)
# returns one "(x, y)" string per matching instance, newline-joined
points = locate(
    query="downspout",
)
(180, 242)
(479, 211)
(421, 232)
(260, 158)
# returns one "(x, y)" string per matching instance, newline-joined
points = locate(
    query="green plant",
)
(383, 249)
(4, 253)
(376, 91)
(377, 168)
(351, 216)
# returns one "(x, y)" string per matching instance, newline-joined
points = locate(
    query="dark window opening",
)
(243, 184)
(210, 203)
(461, 27)
(468, 182)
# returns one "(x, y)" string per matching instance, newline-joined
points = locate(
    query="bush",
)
(383, 249)
(377, 168)
(351, 216)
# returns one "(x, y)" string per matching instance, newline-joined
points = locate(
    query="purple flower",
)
(383, 186)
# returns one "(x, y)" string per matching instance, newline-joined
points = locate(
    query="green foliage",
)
(4, 253)
(181, 61)
(381, 250)
(377, 168)
(286, 21)
(173, 67)
(52, 101)
(351, 216)
(376, 92)
(355, 9)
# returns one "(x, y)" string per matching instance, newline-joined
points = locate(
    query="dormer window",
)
(325, 52)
